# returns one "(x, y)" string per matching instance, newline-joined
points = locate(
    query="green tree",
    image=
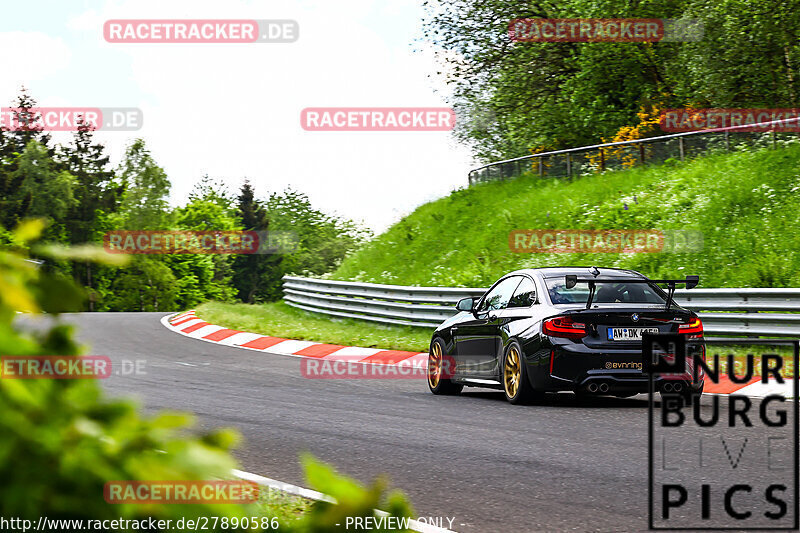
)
(147, 284)
(255, 276)
(565, 94)
(96, 193)
(204, 277)
(144, 204)
(96, 187)
(749, 55)
(21, 128)
(214, 191)
(43, 190)
(323, 240)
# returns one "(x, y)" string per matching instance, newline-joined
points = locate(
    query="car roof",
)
(559, 272)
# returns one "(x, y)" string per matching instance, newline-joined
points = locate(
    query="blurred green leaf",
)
(84, 252)
(30, 229)
(57, 294)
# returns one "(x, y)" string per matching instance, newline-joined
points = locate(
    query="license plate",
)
(628, 334)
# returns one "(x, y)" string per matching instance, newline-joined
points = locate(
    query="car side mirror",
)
(465, 304)
(571, 281)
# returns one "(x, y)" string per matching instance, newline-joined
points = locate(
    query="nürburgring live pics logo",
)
(730, 465)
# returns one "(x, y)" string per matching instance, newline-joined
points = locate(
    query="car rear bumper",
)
(608, 383)
(582, 369)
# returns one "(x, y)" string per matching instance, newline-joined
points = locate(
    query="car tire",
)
(514, 377)
(440, 366)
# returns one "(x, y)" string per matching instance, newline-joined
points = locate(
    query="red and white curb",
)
(190, 325)
(753, 388)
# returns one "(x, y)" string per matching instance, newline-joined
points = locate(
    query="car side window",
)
(525, 295)
(498, 297)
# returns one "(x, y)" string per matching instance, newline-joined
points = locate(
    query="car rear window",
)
(606, 293)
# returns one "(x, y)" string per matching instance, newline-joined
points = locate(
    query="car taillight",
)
(694, 329)
(563, 326)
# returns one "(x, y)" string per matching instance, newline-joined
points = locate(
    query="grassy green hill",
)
(746, 204)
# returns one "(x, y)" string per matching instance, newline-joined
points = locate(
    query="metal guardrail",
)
(389, 304)
(625, 154)
(747, 312)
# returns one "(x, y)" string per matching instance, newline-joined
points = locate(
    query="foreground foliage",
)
(61, 440)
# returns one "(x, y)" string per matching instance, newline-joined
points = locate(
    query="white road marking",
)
(291, 346)
(355, 350)
(288, 488)
(761, 390)
(205, 330)
(239, 338)
(188, 323)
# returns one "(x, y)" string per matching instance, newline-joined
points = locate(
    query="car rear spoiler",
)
(690, 281)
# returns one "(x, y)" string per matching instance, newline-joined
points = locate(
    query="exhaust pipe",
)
(667, 387)
(603, 387)
(592, 387)
(677, 387)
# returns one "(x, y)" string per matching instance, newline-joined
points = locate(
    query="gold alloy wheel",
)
(512, 372)
(434, 365)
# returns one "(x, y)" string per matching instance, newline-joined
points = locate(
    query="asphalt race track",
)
(564, 466)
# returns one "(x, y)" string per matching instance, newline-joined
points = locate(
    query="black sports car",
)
(563, 329)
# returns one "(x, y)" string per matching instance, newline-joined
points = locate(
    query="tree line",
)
(82, 197)
(522, 96)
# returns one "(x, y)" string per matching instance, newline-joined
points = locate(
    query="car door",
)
(477, 340)
(520, 319)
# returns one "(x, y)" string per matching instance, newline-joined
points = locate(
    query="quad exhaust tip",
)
(592, 387)
(667, 387)
(677, 387)
(603, 387)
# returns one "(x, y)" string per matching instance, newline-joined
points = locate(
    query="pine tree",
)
(254, 274)
(96, 192)
(23, 126)
(20, 129)
(251, 212)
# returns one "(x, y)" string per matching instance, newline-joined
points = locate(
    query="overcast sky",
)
(233, 110)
